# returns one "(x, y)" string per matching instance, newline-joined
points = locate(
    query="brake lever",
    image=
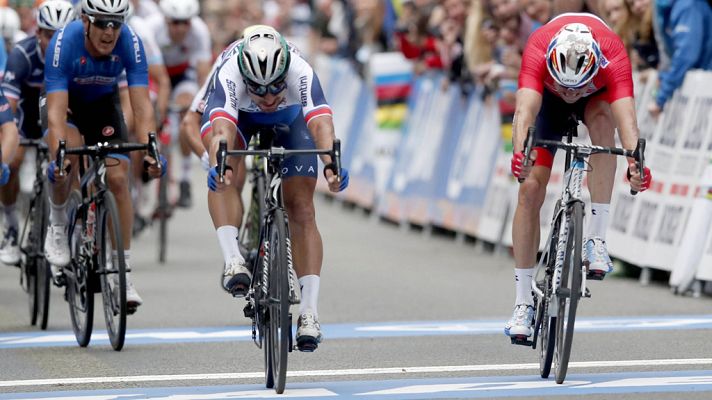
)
(221, 158)
(528, 143)
(639, 154)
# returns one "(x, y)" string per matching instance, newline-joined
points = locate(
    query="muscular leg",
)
(307, 249)
(599, 121)
(525, 226)
(118, 182)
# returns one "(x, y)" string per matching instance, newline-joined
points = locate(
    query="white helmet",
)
(110, 8)
(263, 55)
(180, 9)
(9, 23)
(54, 14)
(573, 56)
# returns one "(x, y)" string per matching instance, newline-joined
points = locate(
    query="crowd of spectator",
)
(475, 43)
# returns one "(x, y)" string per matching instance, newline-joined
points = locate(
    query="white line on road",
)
(349, 372)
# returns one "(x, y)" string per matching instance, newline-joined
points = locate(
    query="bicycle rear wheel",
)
(279, 322)
(112, 272)
(163, 212)
(79, 274)
(569, 292)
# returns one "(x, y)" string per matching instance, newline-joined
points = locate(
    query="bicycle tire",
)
(113, 291)
(79, 275)
(251, 230)
(571, 280)
(546, 322)
(41, 264)
(163, 210)
(31, 279)
(279, 321)
(28, 260)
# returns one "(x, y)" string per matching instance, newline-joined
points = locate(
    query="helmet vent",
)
(562, 62)
(581, 59)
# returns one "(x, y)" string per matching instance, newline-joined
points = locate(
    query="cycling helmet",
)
(54, 14)
(109, 8)
(573, 56)
(180, 9)
(9, 24)
(263, 55)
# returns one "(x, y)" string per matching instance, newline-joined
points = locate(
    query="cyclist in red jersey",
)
(574, 66)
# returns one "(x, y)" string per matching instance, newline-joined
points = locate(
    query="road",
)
(404, 316)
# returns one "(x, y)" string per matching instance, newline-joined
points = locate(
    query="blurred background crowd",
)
(476, 43)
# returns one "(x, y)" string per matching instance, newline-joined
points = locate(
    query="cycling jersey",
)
(153, 51)
(23, 82)
(70, 67)
(614, 73)
(229, 96)
(180, 58)
(201, 97)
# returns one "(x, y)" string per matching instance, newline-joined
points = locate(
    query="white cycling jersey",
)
(153, 52)
(179, 58)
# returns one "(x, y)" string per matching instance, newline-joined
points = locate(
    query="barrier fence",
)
(443, 160)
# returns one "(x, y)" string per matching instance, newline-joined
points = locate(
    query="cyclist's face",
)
(570, 95)
(268, 102)
(102, 39)
(178, 29)
(44, 36)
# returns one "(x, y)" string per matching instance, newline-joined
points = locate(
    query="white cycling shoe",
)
(308, 332)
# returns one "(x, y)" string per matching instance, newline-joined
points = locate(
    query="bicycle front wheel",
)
(39, 230)
(79, 274)
(279, 330)
(112, 270)
(569, 292)
(545, 326)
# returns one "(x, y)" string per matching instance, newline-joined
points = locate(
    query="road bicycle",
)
(559, 282)
(33, 264)
(274, 287)
(94, 234)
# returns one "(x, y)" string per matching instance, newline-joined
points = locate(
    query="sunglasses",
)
(103, 24)
(274, 88)
(180, 22)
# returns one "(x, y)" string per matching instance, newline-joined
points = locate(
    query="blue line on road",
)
(352, 331)
(473, 387)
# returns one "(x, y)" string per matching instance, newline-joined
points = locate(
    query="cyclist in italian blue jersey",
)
(266, 84)
(22, 83)
(83, 65)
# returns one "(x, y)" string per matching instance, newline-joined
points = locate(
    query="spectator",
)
(322, 39)
(646, 54)
(685, 29)
(567, 6)
(481, 33)
(537, 10)
(413, 37)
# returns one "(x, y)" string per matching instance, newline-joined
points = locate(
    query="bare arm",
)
(57, 104)
(190, 129)
(527, 108)
(203, 69)
(159, 74)
(322, 132)
(143, 112)
(624, 114)
(126, 108)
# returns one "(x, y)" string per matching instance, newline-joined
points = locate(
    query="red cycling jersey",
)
(614, 74)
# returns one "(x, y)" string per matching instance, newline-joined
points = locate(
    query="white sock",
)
(227, 237)
(10, 216)
(599, 220)
(185, 168)
(310, 294)
(523, 277)
(58, 213)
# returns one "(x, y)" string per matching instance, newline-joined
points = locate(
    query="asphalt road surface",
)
(404, 316)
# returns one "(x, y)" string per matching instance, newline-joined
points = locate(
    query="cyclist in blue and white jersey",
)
(266, 83)
(22, 83)
(83, 65)
(9, 139)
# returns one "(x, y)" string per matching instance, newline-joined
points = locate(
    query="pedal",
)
(307, 344)
(587, 294)
(131, 309)
(521, 340)
(249, 311)
(595, 275)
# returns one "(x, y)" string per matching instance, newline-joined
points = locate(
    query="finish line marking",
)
(349, 372)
